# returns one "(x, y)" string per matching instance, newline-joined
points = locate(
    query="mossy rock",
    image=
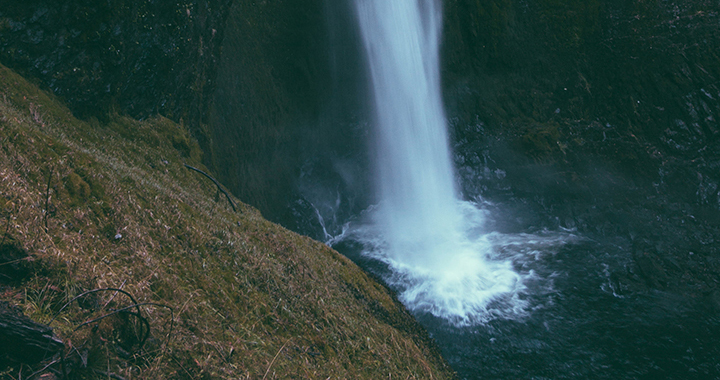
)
(180, 138)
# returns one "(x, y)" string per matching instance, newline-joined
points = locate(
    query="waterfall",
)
(415, 176)
(429, 238)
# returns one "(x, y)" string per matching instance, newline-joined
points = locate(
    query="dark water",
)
(582, 320)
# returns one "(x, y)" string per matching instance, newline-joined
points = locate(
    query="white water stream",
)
(442, 260)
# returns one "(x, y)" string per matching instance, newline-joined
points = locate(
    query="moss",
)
(180, 138)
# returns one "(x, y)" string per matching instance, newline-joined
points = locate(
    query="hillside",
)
(106, 205)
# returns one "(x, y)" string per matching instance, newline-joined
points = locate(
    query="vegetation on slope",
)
(91, 205)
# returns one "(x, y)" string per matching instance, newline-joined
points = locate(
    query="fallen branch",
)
(114, 295)
(125, 310)
(23, 339)
(83, 294)
(232, 204)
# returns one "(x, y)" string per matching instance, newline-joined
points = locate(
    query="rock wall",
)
(269, 90)
(638, 65)
(133, 57)
(602, 115)
(289, 89)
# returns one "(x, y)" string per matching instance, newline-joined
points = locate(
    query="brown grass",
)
(251, 300)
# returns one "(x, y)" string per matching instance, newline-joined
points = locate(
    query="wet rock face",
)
(624, 62)
(286, 101)
(136, 57)
(604, 118)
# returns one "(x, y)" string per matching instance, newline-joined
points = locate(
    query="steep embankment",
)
(91, 205)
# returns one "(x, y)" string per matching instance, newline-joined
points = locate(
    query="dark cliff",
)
(134, 57)
(601, 114)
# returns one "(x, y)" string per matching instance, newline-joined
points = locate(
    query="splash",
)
(433, 242)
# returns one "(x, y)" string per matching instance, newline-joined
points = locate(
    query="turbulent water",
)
(438, 253)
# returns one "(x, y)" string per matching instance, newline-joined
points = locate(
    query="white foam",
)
(441, 259)
(470, 278)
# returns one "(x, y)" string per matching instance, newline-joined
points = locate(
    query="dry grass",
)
(251, 300)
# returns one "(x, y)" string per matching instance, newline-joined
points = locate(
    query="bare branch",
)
(232, 204)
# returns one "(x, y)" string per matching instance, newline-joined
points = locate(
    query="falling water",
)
(432, 241)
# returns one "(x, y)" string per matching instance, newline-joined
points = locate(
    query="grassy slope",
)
(251, 299)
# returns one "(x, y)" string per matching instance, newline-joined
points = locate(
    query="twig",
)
(181, 366)
(15, 261)
(47, 198)
(137, 314)
(172, 326)
(43, 368)
(143, 319)
(232, 204)
(273, 361)
(222, 355)
(124, 310)
(114, 295)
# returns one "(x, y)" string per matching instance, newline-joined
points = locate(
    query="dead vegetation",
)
(144, 275)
